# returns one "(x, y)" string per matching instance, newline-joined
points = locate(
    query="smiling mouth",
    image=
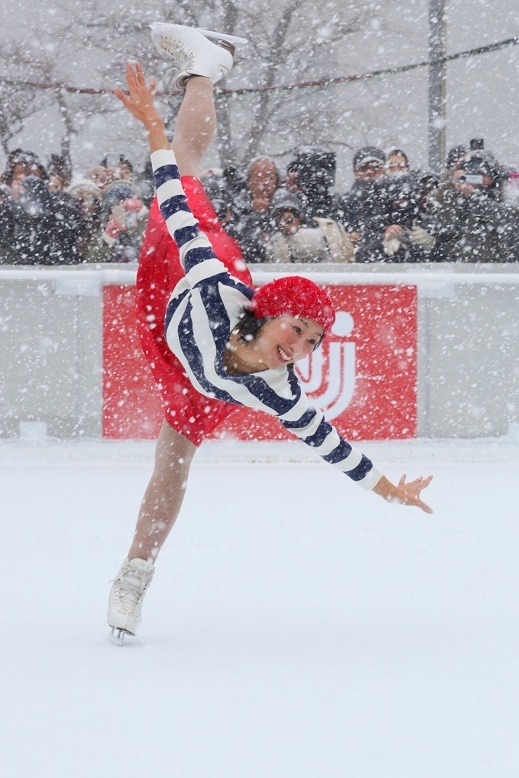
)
(283, 355)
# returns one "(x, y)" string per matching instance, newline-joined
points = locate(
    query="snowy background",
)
(296, 627)
(291, 41)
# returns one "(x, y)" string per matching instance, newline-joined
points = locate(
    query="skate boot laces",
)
(181, 53)
(129, 589)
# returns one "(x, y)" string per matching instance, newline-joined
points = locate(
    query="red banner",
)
(363, 376)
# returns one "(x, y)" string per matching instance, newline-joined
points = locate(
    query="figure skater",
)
(221, 344)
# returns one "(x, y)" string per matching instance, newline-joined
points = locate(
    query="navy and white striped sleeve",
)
(196, 253)
(309, 425)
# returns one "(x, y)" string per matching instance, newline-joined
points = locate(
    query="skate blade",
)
(118, 636)
(233, 39)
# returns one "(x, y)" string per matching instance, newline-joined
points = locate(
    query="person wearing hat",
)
(471, 224)
(405, 233)
(368, 163)
(311, 176)
(323, 240)
(228, 345)
(125, 221)
(46, 221)
(89, 238)
(360, 207)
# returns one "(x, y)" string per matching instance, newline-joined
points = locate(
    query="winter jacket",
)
(46, 225)
(327, 242)
(6, 227)
(474, 229)
(399, 204)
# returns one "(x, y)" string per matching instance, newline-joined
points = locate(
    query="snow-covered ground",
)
(297, 626)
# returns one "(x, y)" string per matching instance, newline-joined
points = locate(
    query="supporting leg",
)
(164, 495)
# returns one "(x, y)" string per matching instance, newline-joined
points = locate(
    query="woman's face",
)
(285, 340)
(288, 222)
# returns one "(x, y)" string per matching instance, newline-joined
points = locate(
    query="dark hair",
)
(121, 160)
(249, 327)
(59, 166)
(20, 157)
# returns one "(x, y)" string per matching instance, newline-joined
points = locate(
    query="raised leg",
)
(195, 125)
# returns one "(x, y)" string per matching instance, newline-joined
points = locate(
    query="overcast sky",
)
(481, 92)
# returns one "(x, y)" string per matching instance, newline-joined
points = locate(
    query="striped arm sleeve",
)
(312, 429)
(196, 253)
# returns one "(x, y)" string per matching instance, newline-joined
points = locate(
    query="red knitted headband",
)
(294, 296)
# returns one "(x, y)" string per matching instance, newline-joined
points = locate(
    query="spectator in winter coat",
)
(125, 221)
(323, 240)
(311, 176)
(7, 225)
(360, 207)
(471, 222)
(405, 235)
(89, 242)
(251, 226)
(46, 222)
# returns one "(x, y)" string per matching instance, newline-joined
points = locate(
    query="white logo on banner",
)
(332, 392)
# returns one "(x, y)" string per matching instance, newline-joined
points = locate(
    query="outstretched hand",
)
(405, 493)
(140, 101)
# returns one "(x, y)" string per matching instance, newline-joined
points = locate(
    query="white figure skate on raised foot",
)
(194, 51)
(126, 596)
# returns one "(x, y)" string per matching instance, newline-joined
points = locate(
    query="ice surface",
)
(297, 627)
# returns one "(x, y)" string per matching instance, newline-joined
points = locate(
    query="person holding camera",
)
(402, 232)
(321, 240)
(45, 222)
(311, 176)
(471, 224)
(360, 209)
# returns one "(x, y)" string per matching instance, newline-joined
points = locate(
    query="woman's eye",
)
(298, 330)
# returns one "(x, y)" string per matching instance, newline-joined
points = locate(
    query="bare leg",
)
(194, 130)
(164, 494)
(195, 125)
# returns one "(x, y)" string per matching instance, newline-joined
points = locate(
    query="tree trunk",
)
(260, 124)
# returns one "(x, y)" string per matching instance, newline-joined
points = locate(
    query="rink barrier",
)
(51, 354)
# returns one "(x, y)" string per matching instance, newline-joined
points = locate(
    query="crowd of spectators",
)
(49, 218)
(392, 212)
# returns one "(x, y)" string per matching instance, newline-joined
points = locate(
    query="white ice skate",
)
(194, 52)
(126, 596)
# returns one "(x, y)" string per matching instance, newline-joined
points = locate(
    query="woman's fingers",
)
(424, 507)
(125, 100)
(412, 491)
